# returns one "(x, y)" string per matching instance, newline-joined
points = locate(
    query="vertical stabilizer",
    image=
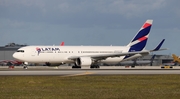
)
(62, 44)
(138, 43)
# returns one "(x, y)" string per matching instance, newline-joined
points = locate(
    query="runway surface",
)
(78, 72)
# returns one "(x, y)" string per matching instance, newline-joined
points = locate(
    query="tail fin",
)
(62, 44)
(138, 43)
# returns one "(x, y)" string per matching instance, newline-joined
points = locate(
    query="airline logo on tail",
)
(138, 43)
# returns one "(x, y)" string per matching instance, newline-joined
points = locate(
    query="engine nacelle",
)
(83, 61)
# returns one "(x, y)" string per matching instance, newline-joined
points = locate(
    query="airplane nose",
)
(18, 56)
(15, 55)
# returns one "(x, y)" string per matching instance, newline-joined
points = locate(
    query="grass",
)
(90, 87)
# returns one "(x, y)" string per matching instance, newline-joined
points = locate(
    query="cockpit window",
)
(20, 51)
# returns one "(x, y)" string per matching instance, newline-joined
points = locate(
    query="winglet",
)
(159, 46)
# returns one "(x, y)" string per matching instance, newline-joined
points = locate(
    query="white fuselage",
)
(60, 54)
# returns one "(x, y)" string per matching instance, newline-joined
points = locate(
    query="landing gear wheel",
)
(75, 66)
(94, 66)
(97, 66)
(48, 64)
(25, 67)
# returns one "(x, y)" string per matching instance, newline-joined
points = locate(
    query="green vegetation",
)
(90, 87)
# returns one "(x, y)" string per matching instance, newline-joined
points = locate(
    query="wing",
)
(104, 56)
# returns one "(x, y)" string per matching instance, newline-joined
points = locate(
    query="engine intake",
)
(83, 61)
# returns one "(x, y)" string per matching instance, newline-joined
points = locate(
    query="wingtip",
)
(159, 46)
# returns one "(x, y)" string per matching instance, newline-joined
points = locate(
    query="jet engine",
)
(83, 61)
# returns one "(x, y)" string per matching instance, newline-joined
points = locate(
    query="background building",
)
(159, 59)
(7, 51)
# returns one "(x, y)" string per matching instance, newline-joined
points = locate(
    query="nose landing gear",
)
(25, 65)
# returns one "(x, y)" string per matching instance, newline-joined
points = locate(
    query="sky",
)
(89, 22)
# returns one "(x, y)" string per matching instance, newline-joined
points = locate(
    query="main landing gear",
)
(75, 66)
(91, 66)
(95, 66)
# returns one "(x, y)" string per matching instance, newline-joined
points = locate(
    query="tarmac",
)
(101, 67)
(103, 70)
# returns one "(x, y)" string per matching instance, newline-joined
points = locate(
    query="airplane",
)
(138, 62)
(91, 56)
(62, 44)
(176, 59)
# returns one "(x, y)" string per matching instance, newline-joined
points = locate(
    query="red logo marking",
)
(142, 38)
(146, 25)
